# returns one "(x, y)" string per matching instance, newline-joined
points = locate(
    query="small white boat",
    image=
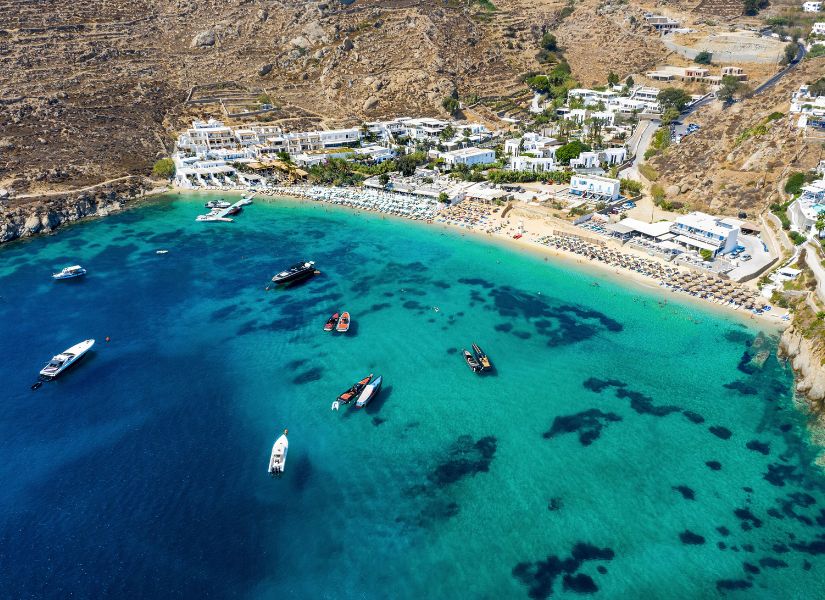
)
(62, 361)
(277, 461)
(69, 273)
(370, 391)
(161, 251)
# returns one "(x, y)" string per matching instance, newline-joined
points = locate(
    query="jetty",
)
(222, 214)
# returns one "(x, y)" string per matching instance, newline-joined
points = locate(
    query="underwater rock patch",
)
(690, 538)
(540, 576)
(588, 424)
(722, 433)
(757, 446)
(687, 493)
(465, 458)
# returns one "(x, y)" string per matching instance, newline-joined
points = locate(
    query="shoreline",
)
(526, 244)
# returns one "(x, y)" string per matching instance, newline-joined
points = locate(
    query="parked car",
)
(746, 257)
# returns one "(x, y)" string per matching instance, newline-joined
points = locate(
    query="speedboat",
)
(356, 389)
(482, 358)
(217, 204)
(471, 361)
(65, 359)
(277, 461)
(69, 273)
(369, 392)
(331, 322)
(343, 323)
(295, 272)
(161, 251)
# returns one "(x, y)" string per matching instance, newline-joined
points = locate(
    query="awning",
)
(683, 239)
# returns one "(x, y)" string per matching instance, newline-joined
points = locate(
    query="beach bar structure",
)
(701, 231)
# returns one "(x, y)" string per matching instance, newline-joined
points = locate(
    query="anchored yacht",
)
(62, 361)
(69, 273)
(277, 461)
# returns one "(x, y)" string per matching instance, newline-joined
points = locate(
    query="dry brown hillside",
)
(735, 161)
(92, 89)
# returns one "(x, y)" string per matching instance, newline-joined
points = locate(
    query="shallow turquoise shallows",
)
(627, 445)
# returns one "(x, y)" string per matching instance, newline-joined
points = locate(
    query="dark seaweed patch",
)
(465, 458)
(505, 327)
(687, 493)
(815, 548)
(476, 281)
(580, 583)
(441, 284)
(757, 446)
(769, 562)
(522, 334)
(778, 474)
(540, 576)
(643, 404)
(714, 465)
(749, 568)
(747, 518)
(691, 539)
(555, 504)
(780, 548)
(599, 385)
(378, 421)
(313, 374)
(379, 306)
(721, 432)
(588, 424)
(738, 337)
(743, 388)
(723, 530)
(452, 350)
(693, 417)
(602, 569)
(730, 585)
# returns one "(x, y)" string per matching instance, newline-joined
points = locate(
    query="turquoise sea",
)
(625, 446)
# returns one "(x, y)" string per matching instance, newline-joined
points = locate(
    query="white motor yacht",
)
(277, 461)
(69, 273)
(62, 361)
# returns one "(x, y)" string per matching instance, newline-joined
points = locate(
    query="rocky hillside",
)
(93, 88)
(740, 155)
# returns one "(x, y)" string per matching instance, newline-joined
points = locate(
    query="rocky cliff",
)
(807, 357)
(45, 214)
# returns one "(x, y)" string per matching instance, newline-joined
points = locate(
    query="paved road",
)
(638, 147)
(800, 54)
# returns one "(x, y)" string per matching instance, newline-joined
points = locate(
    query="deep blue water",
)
(625, 446)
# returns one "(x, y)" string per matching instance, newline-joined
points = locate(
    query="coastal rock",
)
(50, 212)
(370, 103)
(265, 69)
(347, 45)
(807, 362)
(204, 39)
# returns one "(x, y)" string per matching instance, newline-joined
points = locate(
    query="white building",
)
(818, 28)
(661, 22)
(536, 164)
(592, 97)
(701, 231)
(469, 157)
(206, 135)
(804, 103)
(533, 143)
(594, 187)
(425, 128)
(586, 160)
(812, 7)
(806, 209)
(648, 97)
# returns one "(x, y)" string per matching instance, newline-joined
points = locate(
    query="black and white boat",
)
(295, 273)
(471, 361)
(65, 359)
(69, 273)
(482, 358)
(217, 204)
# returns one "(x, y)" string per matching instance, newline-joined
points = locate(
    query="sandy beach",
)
(531, 229)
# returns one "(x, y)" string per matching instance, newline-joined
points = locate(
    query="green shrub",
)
(164, 168)
(795, 182)
(703, 58)
(797, 238)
